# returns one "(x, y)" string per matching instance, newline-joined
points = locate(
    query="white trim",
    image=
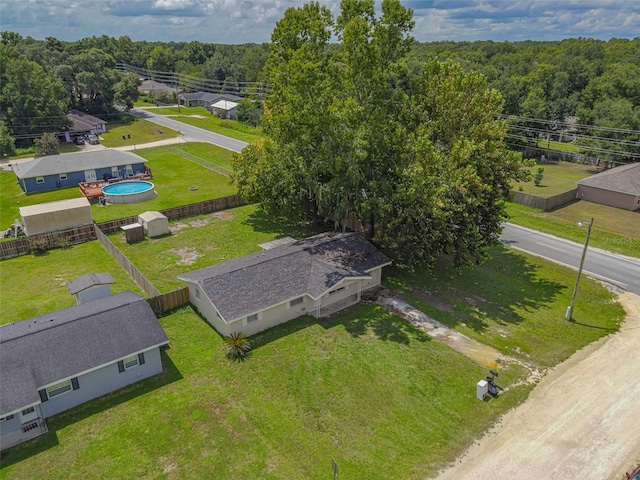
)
(18, 410)
(60, 385)
(130, 359)
(60, 175)
(84, 372)
(382, 265)
(39, 180)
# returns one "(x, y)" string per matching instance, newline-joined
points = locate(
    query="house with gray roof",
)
(53, 362)
(616, 187)
(80, 124)
(315, 276)
(53, 172)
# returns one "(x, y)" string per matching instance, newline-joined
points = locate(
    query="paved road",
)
(616, 269)
(191, 134)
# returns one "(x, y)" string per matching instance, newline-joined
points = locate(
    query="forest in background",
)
(550, 87)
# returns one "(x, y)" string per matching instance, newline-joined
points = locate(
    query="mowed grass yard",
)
(136, 131)
(201, 117)
(36, 285)
(614, 229)
(557, 177)
(364, 388)
(173, 175)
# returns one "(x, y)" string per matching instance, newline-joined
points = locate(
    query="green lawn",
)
(614, 229)
(35, 285)
(230, 128)
(172, 176)
(515, 303)
(201, 241)
(558, 177)
(136, 131)
(207, 152)
(364, 388)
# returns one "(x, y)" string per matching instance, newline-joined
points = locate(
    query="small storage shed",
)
(51, 216)
(90, 287)
(134, 232)
(154, 223)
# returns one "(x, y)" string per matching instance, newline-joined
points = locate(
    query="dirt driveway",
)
(581, 421)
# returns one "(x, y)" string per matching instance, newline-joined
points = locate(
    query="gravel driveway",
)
(581, 421)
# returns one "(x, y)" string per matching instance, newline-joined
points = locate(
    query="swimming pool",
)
(129, 191)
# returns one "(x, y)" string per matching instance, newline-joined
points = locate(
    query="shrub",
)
(537, 178)
(237, 346)
(38, 246)
(63, 242)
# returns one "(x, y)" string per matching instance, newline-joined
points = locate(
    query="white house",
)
(316, 276)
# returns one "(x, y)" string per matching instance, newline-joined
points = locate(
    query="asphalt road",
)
(619, 270)
(191, 133)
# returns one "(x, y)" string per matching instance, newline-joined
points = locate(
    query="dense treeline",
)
(596, 81)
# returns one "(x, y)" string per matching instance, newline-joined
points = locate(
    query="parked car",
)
(78, 141)
(93, 139)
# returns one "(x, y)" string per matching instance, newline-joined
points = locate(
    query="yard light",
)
(584, 254)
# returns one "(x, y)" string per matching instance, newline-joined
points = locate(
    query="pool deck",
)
(93, 189)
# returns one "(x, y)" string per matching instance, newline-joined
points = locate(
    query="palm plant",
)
(237, 346)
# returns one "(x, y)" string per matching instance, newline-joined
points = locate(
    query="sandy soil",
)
(581, 421)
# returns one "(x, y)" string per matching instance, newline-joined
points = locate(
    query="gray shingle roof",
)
(89, 280)
(624, 179)
(67, 342)
(311, 266)
(204, 96)
(83, 121)
(75, 162)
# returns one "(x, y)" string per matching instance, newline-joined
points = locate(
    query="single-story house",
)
(62, 171)
(58, 215)
(153, 87)
(616, 187)
(81, 124)
(196, 99)
(317, 276)
(225, 109)
(90, 287)
(53, 362)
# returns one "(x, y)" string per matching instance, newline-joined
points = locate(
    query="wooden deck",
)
(93, 189)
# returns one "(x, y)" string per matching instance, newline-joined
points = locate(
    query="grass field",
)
(614, 229)
(135, 131)
(219, 157)
(364, 388)
(35, 285)
(230, 128)
(173, 175)
(201, 241)
(558, 177)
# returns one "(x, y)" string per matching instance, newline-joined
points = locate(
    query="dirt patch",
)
(199, 223)
(223, 215)
(187, 255)
(579, 422)
(433, 300)
(176, 227)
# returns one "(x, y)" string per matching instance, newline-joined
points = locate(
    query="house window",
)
(29, 410)
(252, 318)
(336, 290)
(4, 419)
(197, 293)
(296, 301)
(59, 388)
(130, 362)
(39, 179)
(63, 176)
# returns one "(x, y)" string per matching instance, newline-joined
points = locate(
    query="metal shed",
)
(51, 216)
(154, 223)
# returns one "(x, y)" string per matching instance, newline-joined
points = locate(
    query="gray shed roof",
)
(89, 280)
(623, 179)
(49, 348)
(75, 162)
(311, 266)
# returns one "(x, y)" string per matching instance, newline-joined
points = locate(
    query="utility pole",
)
(575, 288)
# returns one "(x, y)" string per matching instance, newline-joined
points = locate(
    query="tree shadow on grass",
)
(281, 227)
(359, 321)
(500, 289)
(170, 374)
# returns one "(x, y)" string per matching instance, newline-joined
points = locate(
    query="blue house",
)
(53, 362)
(53, 172)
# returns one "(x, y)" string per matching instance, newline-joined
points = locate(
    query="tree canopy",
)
(419, 161)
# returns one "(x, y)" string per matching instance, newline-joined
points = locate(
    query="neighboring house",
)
(196, 99)
(225, 109)
(81, 124)
(153, 87)
(53, 362)
(91, 286)
(617, 187)
(62, 171)
(317, 276)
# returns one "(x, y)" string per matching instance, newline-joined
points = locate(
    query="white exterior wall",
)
(93, 293)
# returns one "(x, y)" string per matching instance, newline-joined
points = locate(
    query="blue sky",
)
(243, 21)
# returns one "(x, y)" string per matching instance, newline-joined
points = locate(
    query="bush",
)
(38, 246)
(63, 242)
(237, 346)
(537, 178)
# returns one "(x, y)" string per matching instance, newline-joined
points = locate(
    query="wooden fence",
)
(135, 274)
(542, 203)
(59, 238)
(167, 302)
